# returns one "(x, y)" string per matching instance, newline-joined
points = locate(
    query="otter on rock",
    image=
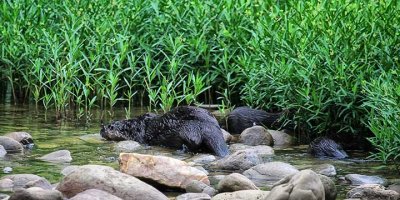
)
(325, 147)
(189, 126)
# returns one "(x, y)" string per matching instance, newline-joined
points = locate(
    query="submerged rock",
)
(235, 182)
(269, 172)
(36, 193)
(256, 135)
(94, 194)
(57, 156)
(358, 179)
(325, 169)
(372, 192)
(10, 145)
(242, 195)
(163, 170)
(107, 179)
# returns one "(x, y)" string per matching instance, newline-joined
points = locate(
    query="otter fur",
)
(325, 147)
(192, 127)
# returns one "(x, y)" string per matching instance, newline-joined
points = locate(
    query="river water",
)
(81, 138)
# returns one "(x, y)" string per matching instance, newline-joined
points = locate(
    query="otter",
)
(184, 126)
(325, 147)
(244, 117)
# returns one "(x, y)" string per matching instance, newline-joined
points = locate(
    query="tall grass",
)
(313, 58)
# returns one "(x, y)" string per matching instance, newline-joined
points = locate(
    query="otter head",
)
(113, 131)
(323, 146)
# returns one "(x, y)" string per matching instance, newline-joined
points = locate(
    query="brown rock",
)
(235, 182)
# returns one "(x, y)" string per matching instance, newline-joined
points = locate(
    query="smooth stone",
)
(256, 135)
(36, 193)
(107, 179)
(196, 186)
(214, 180)
(372, 192)
(270, 172)
(305, 184)
(128, 146)
(358, 179)
(3, 151)
(203, 158)
(193, 196)
(7, 170)
(57, 156)
(67, 170)
(6, 185)
(26, 180)
(227, 136)
(20, 137)
(235, 182)
(161, 169)
(281, 139)
(242, 195)
(10, 145)
(325, 169)
(94, 194)
(329, 187)
(92, 138)
(244, 158)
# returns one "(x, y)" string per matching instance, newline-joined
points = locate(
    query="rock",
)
(235, 182)
(242, 195)
(193, 196)
(256, 135)
(329, 187)
(394, 187)
(325, 169)
(107, 179)
(3, 151)
(94, 194)
(281, 139)
(372, 192)
(57, 156)
(214, 180)
(200, 187)
(163, 170)
(269, 172)
(10, 145)
(92, 138)
(303, 185)
(6, 185)
(21, 137)
(203, 158)
(227, 136)
(7, 170)
(36, 193)
(26, 180)
(128, 146)
(244, 158)
(358, 179)
(69, 169)
(263, 150)
(4, 197)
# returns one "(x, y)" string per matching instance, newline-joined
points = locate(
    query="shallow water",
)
(81, 138)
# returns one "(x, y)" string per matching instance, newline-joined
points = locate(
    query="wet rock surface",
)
(359, 179)
(235, 182)
(372, 192)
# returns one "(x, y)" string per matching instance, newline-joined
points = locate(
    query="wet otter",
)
(325, 147)
(192, 127)
(245, 117)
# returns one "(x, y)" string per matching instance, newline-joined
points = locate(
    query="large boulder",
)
(281, 139)
(94, 194)
(372, 192)
(36, 193)
(107, 179)
(57, 156)
(163, 170)
(244, 157)
(242, 195)
(10, 145)
(196, 186)
(256, 135)
(304, 185)
(235, 182)
(18, 181)
(358, 179)
(269, 172)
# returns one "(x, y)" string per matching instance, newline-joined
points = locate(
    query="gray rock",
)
(4, 197)
(6, 185)
(303, 185)
(325, 169)
(94, 194)
(242, 195)
(262, 150)
(235, 182)
(281, 139)
(20, 137)
(214, 180)
(196, 186)
(394, 187)
(7, 170)
(67, 170)
(203, 159)
(10, 145)
(329, 187)
(128, 146)
(57, 156)
(193, 196)
(92, 138)
(36, 193)
(3, 151)
(267, 173)
(358, 179)
(256, 135)
(107, 179)
(372, 192)
(26, 180)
